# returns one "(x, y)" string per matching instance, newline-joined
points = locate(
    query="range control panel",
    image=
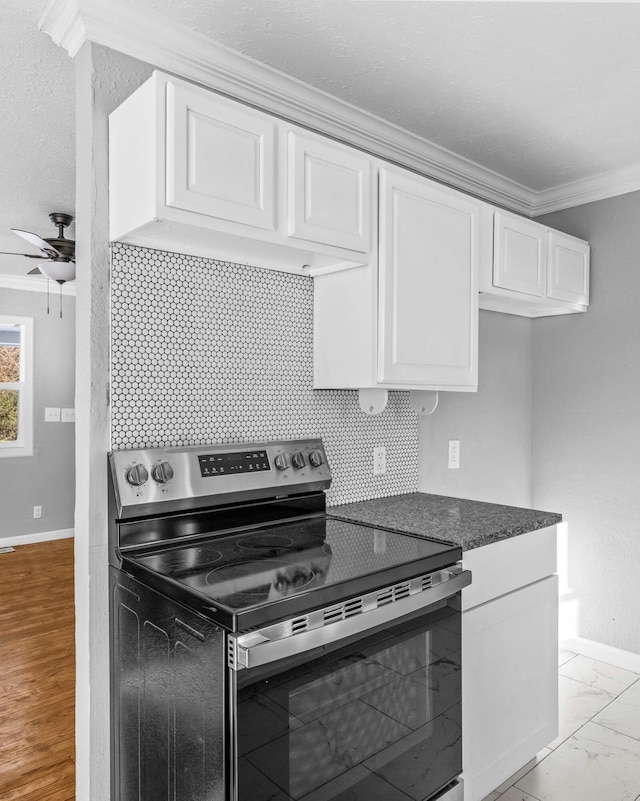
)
(208, 475)
(226, 464)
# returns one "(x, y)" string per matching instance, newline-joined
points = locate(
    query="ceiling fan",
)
(57, 254)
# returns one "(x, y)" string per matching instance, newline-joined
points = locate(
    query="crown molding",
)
(121, 26)
(34, 284)
(587, 190)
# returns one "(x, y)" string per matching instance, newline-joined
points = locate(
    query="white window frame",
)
(23, 446)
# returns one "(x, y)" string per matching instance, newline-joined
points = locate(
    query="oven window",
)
(379, 719)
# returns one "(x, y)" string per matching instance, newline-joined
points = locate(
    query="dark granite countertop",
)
(469, 524)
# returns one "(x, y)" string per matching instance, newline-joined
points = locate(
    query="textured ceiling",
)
(543, 93)
(37, 147)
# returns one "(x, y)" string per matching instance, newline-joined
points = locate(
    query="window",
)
(16, 386)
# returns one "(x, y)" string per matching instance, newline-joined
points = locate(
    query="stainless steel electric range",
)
(263, 650)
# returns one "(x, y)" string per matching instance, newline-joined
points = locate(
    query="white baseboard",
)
(603, 653)
(41, 536)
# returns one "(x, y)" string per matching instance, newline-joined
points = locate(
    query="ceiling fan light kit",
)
(57, 254)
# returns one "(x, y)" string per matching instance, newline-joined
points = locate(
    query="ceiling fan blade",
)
(35, 271)
(26, 255)
(38, 241)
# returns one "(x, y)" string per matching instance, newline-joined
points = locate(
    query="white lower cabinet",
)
(509, 658)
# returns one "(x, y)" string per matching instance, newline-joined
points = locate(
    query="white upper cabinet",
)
(535, 271)
(220, 157)
(429, 254)
(520, 255)
(568, 269)
(328, 192)
(193, 172)
(408, 320)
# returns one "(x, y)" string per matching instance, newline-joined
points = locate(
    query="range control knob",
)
(137, 475)
(162, 473)
(316, 458)
(298, 460)
(282, 461)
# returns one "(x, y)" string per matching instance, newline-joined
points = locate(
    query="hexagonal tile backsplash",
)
(210, 352)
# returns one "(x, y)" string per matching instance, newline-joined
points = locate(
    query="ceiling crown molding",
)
(120, 25)
(152, 38)
(34, 284)
(588, 190)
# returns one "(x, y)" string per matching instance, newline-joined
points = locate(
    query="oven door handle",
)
(282, 640)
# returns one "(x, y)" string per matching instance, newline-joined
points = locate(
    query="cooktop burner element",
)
(273, 543)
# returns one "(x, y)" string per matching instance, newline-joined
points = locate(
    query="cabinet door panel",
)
(220, 158)
(329, 193)
(520, 255)
(568, 272)
(428, 283)
(510, 684)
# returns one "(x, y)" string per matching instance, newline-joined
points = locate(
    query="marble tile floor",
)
(596, 756)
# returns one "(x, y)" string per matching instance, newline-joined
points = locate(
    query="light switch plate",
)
(454, 454)
(52, 414)
(68, 415)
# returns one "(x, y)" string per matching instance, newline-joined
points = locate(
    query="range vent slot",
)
(401, 591)
(426, 582)
(385, 596)
(333, 613)
(353, 607)
(299, 624)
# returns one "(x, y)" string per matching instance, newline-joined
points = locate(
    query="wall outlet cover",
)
(379, 460)
(52, 414)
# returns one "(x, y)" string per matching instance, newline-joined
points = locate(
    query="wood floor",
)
(37, 673)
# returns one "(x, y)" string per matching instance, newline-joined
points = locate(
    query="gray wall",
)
(493, 426)
(48, 477)
(586, 436)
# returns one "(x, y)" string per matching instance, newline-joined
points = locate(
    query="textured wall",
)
(48, 477)
(208, 352)
(586, 452)
(493, 425)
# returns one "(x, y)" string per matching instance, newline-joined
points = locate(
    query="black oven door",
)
(366, 707)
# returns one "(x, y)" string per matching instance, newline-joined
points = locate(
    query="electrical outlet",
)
(379, 461)
(454, 454)
(37, 512)
(52, 414)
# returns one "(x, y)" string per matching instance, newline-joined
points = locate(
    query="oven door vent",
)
(392, 594)
(299, 624)
(426, 582)
(343, 611)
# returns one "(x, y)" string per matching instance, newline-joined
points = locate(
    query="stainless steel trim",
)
(331, 624)
(187, 489)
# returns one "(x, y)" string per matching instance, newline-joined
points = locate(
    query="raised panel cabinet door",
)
(328, 193)
(220, 158)
(428, 281)
(509, 684)
(568, 268)
(519, 255)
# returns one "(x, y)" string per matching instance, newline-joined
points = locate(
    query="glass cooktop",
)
(258, 576)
